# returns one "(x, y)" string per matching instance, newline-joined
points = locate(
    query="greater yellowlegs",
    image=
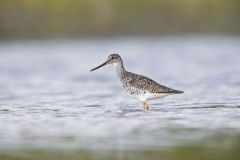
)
(138, 86)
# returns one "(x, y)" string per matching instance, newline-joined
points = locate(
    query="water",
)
(50, 102)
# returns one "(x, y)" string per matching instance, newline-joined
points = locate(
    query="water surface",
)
(50, 102)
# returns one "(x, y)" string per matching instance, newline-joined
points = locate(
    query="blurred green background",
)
(84, 18)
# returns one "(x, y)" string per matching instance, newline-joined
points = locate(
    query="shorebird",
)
(138, 86)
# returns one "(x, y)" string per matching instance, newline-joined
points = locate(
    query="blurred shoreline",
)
(92, 18)
(119, 37)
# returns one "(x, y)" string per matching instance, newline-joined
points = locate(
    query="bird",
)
(135, 85)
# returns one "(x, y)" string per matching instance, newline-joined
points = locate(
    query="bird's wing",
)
(142, 82)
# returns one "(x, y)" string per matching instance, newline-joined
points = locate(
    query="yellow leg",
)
(145, 105)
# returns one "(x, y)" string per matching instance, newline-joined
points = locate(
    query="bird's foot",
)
(145, 105)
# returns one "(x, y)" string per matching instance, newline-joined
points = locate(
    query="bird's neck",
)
(119, 68)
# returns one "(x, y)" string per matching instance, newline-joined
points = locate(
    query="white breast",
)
(148, 96)
(141, 94)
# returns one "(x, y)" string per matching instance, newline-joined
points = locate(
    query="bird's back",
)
(144, 83)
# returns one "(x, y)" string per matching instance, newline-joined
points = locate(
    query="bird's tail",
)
(178, 92)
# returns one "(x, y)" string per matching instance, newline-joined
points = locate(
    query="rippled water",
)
(50, 100)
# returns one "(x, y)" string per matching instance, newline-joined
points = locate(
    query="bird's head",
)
(112, 59)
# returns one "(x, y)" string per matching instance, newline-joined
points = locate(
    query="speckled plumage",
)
(136, 85)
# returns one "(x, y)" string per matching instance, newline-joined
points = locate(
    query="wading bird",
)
(138, 86)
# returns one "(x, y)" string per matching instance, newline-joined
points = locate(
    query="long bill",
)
(99, 66)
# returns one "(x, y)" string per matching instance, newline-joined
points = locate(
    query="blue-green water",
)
(52, 107)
